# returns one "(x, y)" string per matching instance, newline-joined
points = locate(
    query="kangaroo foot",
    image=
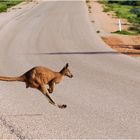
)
(50, 91)
(62, 106)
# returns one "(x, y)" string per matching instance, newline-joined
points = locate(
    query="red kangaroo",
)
(39, 76)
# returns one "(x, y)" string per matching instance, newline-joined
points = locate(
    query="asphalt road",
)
(103, 98)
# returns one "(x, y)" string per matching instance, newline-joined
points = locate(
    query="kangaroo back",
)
(19, 78)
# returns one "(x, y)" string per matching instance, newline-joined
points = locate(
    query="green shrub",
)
(128, 9)
(136, 10)
(135, 28)
(3, 7)
(5, 4)
(125, 2)
(124, 32)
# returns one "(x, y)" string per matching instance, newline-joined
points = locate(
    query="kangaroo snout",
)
(70, 76)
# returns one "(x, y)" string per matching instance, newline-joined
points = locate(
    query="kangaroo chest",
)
(57, 80)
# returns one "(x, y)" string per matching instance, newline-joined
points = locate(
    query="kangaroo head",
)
(66, 72)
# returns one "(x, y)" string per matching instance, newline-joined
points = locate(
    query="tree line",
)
(125, 2)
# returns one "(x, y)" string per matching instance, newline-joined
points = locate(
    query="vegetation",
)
(128, 9)
(136, 11)
(5, 4)
(125, 32)
(125, 2)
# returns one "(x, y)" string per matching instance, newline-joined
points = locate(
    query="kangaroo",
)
(40, 76)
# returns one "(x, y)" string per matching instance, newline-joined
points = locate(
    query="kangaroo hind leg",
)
(44, 90)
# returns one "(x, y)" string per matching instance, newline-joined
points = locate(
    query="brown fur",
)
(38, 77)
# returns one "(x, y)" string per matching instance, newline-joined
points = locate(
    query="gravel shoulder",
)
(105, 23)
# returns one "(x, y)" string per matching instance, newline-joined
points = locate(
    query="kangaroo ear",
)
(67, 65)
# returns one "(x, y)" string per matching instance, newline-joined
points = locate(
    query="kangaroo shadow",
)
(87, 53)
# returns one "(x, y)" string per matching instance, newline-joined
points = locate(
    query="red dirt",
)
(127, 44)
(107, 23)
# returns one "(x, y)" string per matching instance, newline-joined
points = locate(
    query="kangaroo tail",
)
(20, 78)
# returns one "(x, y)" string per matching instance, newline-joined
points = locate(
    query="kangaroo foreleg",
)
(51, 87)
(46, 92)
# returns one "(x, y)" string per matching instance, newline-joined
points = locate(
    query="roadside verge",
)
(105, 23)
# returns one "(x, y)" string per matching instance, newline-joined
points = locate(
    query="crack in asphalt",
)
(13, 129)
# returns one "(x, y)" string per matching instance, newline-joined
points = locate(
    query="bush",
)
(136, 11)
(137, 3)
(106, 9)
(129, 2)
(3, 7)
(5, 4)
(135, 29)
(125, 2)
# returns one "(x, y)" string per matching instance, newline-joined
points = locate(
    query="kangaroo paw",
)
(50, 91)
(62, 106)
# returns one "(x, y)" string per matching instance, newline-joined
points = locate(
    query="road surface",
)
(103, 98)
